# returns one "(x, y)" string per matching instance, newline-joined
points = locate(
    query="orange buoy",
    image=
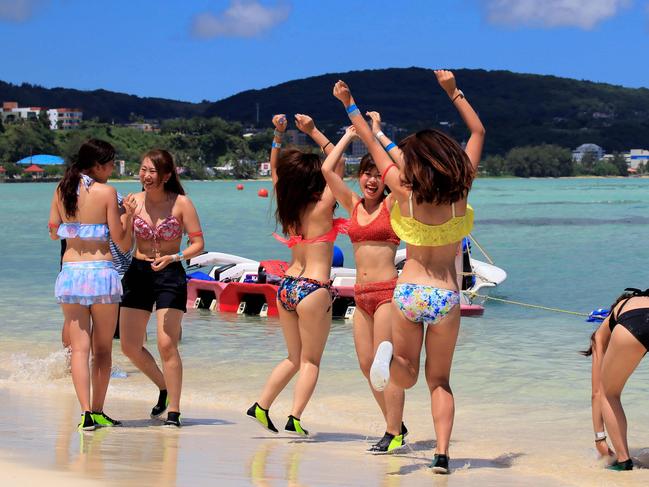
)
(239, 187)
(262, 193)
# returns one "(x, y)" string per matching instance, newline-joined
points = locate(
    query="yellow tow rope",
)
(526, 305)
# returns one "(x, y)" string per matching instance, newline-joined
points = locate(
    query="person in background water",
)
(85, 213)
(305, 208)
(156, 277)
(375, 247)
(430, 188)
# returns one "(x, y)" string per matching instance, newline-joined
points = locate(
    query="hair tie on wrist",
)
(325, 146)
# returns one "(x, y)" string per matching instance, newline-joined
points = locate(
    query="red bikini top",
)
(168, 229)
(378, 230)
(340, 225)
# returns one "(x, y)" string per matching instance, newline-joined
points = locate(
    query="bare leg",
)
(365, 348)
(622, 356)
(314, 320)
(132, 331)
(407, 338)
(287, 368)
(169, 329)
(78, 318)
(394, 396)
(440, 345)
(65, 334)
(104, 321)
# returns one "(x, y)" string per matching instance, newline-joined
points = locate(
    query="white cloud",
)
(19, 10)
(243, 18)
(584, 14)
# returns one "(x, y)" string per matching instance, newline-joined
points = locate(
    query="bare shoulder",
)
(183, 201)
(104, 190)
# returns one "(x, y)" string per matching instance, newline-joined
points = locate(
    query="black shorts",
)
(144, 287)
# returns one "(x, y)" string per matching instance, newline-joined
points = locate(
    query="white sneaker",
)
(380, 371)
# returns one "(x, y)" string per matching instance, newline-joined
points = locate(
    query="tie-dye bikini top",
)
(340, 225)
(83, 231)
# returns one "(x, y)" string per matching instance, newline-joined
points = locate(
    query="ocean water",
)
(522, 391)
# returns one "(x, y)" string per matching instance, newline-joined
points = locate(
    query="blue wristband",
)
(180, 256)
(390, 146)
(276, 145)
(351, 108)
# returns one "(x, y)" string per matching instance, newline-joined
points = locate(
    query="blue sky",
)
(193, 50)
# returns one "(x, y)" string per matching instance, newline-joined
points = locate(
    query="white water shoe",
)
(380, 371)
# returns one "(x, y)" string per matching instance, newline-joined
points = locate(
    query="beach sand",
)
(39, 444)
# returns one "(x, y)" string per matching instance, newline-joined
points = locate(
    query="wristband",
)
(390, 146)
(179, 256)
(52, 225)
(279, 134)
(174, 258)
(600, 435)
(379, 134)
(276, 145)
(352, 108)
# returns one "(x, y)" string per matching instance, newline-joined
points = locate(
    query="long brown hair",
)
(91, 152)
(299, 183)
(164, 164)
(436, 167)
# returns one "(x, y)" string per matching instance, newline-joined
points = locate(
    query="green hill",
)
(517, 109)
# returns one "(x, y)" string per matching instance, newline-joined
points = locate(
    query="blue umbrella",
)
(42, 160)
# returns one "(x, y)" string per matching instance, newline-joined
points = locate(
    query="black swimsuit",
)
(635, 320)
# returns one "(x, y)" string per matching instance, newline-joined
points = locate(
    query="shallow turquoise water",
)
(570, 243)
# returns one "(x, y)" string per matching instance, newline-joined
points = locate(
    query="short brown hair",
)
(436, 167)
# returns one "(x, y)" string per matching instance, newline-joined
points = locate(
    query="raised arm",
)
(473, 148)
(279, 121)
(339, 188)
(382, 160)
(305, 124)
(55, 217)
(390, 147)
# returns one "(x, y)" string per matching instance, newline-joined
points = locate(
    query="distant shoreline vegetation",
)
(212, 148)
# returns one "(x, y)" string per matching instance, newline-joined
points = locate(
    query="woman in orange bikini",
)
(305, 207)
(430, 213)
(375, 246)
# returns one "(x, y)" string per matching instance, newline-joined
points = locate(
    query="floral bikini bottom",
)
(424, 304)
(292, 290)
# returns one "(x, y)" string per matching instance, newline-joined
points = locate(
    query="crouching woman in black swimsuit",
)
(624, 339)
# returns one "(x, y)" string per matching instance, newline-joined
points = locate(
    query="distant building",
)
(64, 118)
(357, 149)
(635, 157)
(295, 137)
(579, 153)
(145, 126)
(12, 112)
(264, 168)
(59, 118)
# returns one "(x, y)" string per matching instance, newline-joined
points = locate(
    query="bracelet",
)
(276, 145)
(386, 172)
(279, 134)
(600, 436)
(390, 146)
(325, 146)
(460, 94)
(174, 258)
(379, 134)
(351, 108)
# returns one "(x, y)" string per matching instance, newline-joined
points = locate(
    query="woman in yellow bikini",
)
(430, 189)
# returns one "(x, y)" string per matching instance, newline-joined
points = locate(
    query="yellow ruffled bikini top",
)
(417, 233)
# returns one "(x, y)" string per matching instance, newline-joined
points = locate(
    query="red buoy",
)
(262, 193)
(239, 187)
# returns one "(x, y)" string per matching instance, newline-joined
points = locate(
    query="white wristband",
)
(600, 435)
(379, 134)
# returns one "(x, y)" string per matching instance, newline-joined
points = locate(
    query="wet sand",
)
(41, 445)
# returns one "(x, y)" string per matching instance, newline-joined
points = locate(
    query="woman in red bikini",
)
(305, 207)
(156, 277)
(375, 246)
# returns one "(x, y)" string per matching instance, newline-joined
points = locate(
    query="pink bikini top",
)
(378, 230)
(340, 225)
(168, 229)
